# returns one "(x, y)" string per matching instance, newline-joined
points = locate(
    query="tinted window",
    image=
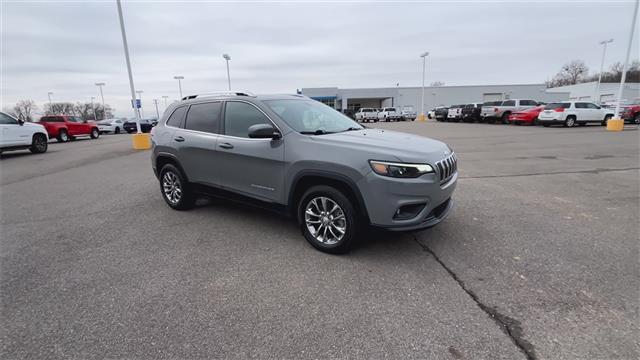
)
(553, 106)
(308, 116)
(527, 102)
(204, 117)
(581, 105)
(7, 120)
(509, 103)
(239, 116)
(175, 119)
(592, 106)
(52, 119)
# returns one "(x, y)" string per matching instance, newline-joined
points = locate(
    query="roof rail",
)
(219, 93)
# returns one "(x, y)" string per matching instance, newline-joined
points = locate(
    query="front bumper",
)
(383, 196)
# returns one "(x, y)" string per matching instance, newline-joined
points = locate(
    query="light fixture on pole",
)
(227, 58)
(95, 117)
(604, 52)
(104, 109)
(165, 97)
(179, 78)
(140, 141)
(424, 65)
(50, 103)
(139, 92)
(155, 102)
(617, 124)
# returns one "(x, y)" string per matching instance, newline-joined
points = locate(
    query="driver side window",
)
(7, 120)
(239, 116)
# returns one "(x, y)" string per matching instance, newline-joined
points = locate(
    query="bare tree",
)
(437, 83)
(60, 108)
(86, 111)
(24, 110)
(571, 73)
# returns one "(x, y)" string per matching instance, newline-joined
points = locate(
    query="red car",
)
(631, 114)
(528, 116)
(67, 127)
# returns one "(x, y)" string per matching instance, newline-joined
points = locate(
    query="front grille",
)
(447, 167)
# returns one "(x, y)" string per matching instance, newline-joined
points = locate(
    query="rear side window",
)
(175, 119)
(553, 106)
(239, 116)
(509, 103)
(52, 119)
(204, 117)
(528, 103)
(581, 105)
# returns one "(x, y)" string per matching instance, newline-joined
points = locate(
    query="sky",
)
(65, 47)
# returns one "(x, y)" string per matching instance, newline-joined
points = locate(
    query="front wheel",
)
(636, 119)
(95, 133)
(117, 130)
(39, 144)
(328, 219)
(570, 122)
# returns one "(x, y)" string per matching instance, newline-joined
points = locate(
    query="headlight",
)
(400, 170)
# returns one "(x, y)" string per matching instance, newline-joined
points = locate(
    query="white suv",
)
(18, 135)
(572, 113)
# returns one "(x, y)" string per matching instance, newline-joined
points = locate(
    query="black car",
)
(145, 125)
(471, 112)
(441, 113)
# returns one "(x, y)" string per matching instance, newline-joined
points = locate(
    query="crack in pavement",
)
(510, 326)
(592, 171)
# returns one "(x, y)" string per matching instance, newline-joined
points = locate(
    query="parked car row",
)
(531, 112)
(385, 114)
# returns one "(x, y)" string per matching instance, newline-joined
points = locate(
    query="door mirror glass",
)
(263, 131)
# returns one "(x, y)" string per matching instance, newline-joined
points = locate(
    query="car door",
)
(253, 167)
(196, 141)
(582, 112)
(11, 133)
(74, 125)
(595, 113)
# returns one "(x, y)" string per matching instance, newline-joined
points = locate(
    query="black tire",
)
(351, 220)
(582, 124)
(606, 119)
(95, 133)
(186, 198)
(117, 131)
(570, 121)
(39, 144)
(535, 122)
(546, 125)
(505, 118)
(636, 119)
(63, 136)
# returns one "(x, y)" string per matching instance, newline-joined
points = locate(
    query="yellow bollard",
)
(615, 125)
(421, 117)
(141, 141)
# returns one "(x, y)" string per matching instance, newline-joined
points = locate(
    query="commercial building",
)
(606, 94)
(353, 99)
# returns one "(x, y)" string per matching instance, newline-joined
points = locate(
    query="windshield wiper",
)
(315, 132)
(352, 129)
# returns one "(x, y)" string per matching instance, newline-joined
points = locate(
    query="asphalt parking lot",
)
(539, 260)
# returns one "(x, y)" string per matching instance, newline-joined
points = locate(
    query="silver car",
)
(300, 156)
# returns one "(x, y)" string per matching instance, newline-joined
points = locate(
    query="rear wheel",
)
(117, 131)
(505, 118)
(38, 144)
(176, 191)
(606, 119)
(570, 121)
(328, 219)
(63, 136)
(636, 119)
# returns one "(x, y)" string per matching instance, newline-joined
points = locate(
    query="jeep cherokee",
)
(294, 153)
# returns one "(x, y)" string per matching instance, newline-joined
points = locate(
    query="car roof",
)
(190, 99)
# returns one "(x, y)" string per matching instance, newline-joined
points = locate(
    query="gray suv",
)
(295, 154)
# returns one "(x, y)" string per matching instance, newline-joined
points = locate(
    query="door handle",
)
(226, 146)
(178, 138)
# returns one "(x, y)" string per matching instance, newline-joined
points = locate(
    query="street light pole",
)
(424, 66)
(227, 58)
(179, 78)
(604, 52)
(617, 124)
(139, 92)
(104, 109)
(126, 55)
(155, 102)
(95, 117)
(165, 97)
(50, 103)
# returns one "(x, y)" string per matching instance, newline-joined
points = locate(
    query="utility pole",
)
(155, 102)
(139, 92)
(50, 103)
(95, 117)
(126, 55)
(227, 58)
(104, 109)
(179, 78)
(604, 52)
(165, 97)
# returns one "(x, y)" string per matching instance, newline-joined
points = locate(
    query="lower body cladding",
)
(407, 204)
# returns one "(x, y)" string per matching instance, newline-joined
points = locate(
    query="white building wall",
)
(607, 93)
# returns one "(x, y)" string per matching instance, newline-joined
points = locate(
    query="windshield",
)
(310, 116)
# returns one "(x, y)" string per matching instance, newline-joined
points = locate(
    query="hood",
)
(33, 125)
(389, 145)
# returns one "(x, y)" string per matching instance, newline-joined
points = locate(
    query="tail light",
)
(560, 109)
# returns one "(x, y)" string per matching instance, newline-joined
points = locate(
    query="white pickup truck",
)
(367, 114)
(506, 108)
(389, 113)
(408, 113)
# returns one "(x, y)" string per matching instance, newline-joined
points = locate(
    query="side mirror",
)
(263, 131)
(20, 122)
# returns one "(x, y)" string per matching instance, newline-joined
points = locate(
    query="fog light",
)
(407, 212)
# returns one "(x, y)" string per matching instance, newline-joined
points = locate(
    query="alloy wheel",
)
(325, 220)
(40, 143)
(171, 187)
